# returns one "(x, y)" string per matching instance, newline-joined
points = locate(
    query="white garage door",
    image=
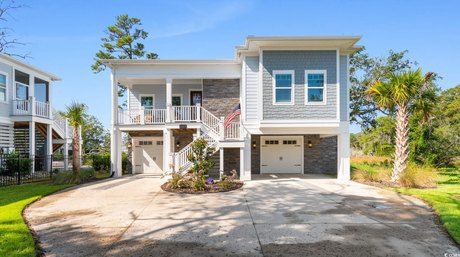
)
(281, 154)
(148, 155)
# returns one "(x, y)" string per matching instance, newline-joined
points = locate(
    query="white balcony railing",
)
(31, 107)
(185, 113)
(142, 116)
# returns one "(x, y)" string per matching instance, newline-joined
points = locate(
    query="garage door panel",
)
(148, 155)
(281, 154)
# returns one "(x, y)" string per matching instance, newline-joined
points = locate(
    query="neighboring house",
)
(294, 96)
(28, 123)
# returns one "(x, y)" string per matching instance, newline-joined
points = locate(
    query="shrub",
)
(68, 177)
(199, 183)
(418, 177)
(11, 165)
(124, 162)
(226, 182)
(179, 181)
(368, 173)
(101, 162)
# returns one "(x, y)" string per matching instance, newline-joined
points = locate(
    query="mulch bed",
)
(214, 188)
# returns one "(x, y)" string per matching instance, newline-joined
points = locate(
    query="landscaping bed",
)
(213, 188)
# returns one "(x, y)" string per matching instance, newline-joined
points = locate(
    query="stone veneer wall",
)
(255, 155)
(322, 157)
(220, 96)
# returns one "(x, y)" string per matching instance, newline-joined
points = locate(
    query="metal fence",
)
(17, 169)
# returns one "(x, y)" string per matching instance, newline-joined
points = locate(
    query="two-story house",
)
(28, 123)
(294, 98)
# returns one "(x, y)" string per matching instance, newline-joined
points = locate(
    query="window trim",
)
(324, 72)
(6, 87)
(147, 95)
(280, 72)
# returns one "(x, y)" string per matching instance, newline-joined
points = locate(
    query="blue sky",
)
(63, 36)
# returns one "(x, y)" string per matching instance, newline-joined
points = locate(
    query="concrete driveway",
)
(271, 216)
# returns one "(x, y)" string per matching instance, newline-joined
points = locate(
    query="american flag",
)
(231, 116)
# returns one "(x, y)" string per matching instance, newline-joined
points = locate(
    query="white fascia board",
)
(295, 131)
(27, 68)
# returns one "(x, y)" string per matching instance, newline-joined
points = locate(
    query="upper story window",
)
(22, 85)
(147, 101)
(283, 87)
(3, 88)
(315, 87)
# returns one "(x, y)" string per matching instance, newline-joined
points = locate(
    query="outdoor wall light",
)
(254, 144)
(177, 144)
(310, 144)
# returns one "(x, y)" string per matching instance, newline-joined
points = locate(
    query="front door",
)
(195, 97)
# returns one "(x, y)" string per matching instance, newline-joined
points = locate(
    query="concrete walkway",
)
(271, 216)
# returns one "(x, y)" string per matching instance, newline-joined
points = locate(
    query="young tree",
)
(7, 41)
(75, 113)
(404, 94)
(122, 41)
(94, 135)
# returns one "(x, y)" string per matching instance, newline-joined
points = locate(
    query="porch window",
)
(147, 102)
(22, 85)
(315, 87)
(2, 88)
(283, 87)
(41, 90)
(176, 100)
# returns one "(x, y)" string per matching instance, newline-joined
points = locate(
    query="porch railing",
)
(185, 113)
(142, 116)
(31, 107)
(233, 131)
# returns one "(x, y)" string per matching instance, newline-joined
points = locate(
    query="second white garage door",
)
(281, 154)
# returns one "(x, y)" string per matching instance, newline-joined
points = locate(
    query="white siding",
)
(6, 135)
(252, 71)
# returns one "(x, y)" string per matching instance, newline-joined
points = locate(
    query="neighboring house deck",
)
(293, 93)
(29, 125)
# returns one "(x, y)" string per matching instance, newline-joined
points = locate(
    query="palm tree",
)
(75, 113)
(403, 93)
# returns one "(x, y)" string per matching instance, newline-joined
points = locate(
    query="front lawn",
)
(445, 200)
(444, 197)
(15, 238)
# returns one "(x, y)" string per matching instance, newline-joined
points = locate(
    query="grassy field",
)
(445, 200)
(15, 238)
(444, 197)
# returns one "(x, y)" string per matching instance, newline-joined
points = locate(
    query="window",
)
(145, 142)
(176, 100)
(2, 88)
(283, 87)
(271, 142)
(147, 102)
(315, 87)
(159, 142)
(289, 142)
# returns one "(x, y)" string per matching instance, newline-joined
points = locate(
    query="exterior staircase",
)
(213, 131)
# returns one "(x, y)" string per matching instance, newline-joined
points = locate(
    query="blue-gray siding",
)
(5, 108)
(252, 88)
(343, 88)
(299, 61)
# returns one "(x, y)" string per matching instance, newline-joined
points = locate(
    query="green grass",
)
(15, 238)
(445, 200)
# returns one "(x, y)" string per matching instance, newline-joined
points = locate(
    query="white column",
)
(221, 161)
(115, 146)
(343, 152)
(32, 143)
(169, 114)
(246, 174)
(81, 146)
(167, 139)
(49, 146)
(32, 105)
(221, 129)
(66, 144)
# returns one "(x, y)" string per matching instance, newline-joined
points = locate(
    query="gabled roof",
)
(346, 44)
(28, 66)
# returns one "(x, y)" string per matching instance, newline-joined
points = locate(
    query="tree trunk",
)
(76, 151)
(402, 143)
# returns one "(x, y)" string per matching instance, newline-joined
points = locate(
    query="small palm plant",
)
(75, 113)
(404, 94)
